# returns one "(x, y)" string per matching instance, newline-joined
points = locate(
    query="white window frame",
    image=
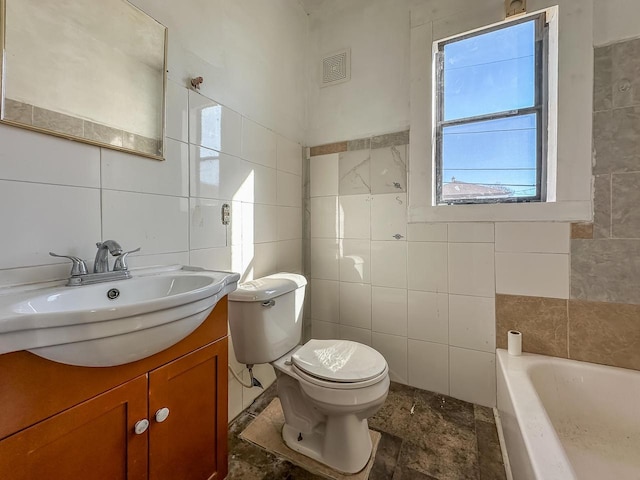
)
(539, 108)
(568, 181)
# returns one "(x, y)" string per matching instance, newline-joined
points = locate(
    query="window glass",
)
(498, 156)
(490, 121)
(489, 73)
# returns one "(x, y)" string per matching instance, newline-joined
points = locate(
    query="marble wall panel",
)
(542, 321)
(625, 73)
(625, 202)
(582, 230)
(18, 111)
(389, 169)
(390, 139)
(606, 270)
(602, 81)
(329, 148)
(354, 170)
(602, 206)
(606, 333)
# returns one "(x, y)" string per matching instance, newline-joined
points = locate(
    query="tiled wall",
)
(601, 321)
(422, 294)
(62, 196)
(437, 300)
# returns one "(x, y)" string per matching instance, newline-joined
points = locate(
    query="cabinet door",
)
(191, 443)
(93, 440)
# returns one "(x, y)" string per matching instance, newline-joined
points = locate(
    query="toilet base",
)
(343, 443)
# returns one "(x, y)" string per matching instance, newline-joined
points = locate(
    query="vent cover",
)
(336, 68)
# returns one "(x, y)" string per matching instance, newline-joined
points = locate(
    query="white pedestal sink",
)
(110, 323)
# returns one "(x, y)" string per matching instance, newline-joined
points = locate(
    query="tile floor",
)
(444, 439)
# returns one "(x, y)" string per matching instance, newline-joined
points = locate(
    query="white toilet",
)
(328, 388)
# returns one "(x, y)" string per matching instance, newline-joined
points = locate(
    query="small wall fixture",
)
(515, 7)
(195, 82)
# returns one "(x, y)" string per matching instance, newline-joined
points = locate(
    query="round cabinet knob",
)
(141, 426)
(162, 414)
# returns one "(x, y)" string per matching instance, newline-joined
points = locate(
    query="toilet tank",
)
(265, 317)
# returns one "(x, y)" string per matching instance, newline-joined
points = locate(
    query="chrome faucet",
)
(101, 263)
(101, 273)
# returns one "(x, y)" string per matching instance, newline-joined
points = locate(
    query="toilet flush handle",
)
(269, 303)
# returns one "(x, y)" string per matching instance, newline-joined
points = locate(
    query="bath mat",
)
(266, 432)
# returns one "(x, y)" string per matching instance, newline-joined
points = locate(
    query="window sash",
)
(539, 108)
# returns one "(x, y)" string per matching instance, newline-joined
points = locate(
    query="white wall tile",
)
(471, 232)
(123, 171)
(427, 232)
(214, 126)
(289, 156)
(258, 144)
(221, 176)
(34, 157)
(289, 223)
(325, 300)
(265, 223)
(429, 366)
(533, 274)
(472, 322)
(324, 175)
(354, 334)
(324, 217)
(265, 259)
(206, 228)
(472, 376)
(428, 316)
(533, 237)
(389, 310)
(355, 216)
(265, 185)
(38, 219)
(388, 216)
(427, 266)
(324, 259)
(471, 269)
(289, 256)
(324, 330)
(156, 223)
(136, 260)
(394, 350)
(233, 362)
(211, 258)
(243, 223)
(289, 189)
(235, 398)
(177, 117)
(389, 264)
(355, 305)
(355, 261)
(265, 374)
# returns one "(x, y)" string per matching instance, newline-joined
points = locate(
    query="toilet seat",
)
(339, 364)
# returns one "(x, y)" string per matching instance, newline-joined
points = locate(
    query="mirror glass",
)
(89, 70)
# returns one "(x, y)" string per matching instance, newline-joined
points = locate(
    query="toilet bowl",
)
(327, 388)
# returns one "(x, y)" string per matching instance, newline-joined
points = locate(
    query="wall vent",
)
(336, 68)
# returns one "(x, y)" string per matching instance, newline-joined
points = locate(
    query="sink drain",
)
(113, 294)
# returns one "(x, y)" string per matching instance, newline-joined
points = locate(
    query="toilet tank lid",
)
(266, 288)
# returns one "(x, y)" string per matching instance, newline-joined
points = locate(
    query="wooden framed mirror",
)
(87, 70)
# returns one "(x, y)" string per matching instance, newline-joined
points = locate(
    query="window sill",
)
(502, 212)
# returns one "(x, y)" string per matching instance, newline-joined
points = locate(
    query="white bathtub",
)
(565, 420)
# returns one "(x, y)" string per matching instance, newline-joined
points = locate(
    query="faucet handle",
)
(79, 266)
(121, 260)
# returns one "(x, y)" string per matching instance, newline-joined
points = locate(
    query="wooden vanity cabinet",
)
(95, 437)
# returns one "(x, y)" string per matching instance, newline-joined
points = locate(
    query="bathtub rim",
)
(547, 459)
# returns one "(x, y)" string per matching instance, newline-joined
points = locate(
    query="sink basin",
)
(111, 323)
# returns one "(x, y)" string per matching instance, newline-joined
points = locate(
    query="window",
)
(491, 115)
